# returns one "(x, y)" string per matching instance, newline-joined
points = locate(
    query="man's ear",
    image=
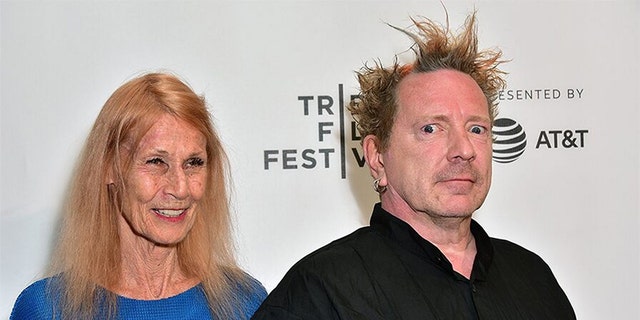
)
(374, 158)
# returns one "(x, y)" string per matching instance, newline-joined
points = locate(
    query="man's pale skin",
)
(437, 164)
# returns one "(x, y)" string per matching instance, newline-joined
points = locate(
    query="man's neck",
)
(451, 235)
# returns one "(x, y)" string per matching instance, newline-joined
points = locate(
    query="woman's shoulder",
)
(250, 287)
(248, 293)
(34, 302)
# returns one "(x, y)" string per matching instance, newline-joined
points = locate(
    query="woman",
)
(146, 233)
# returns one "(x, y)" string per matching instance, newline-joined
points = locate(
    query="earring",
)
(377, 187)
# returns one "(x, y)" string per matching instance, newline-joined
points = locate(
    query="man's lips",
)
(461, 179)
(458, 173)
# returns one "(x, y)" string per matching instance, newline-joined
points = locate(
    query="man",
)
(428, 143)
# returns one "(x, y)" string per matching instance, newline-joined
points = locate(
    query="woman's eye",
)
(155, 161)
(478, 130)
(430, 128)
(195, 162)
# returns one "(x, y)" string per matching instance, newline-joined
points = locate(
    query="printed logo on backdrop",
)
(510, 138)
(509, 141)
(324, 157)
(539, 94)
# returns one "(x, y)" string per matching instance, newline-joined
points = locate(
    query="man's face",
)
(438, 159)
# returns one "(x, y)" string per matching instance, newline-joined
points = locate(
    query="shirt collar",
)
(399, 231)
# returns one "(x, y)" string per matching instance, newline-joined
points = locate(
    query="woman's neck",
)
(149, 271)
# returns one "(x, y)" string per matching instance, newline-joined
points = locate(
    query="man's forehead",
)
(438, 80)
(440, 92)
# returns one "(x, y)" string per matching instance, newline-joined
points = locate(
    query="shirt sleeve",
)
(300, 295)
(32, 303)
(255, 298)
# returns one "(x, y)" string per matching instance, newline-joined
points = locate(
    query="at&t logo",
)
(510, 140)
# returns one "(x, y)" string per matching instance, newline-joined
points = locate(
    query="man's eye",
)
(478, 130)
(155, 161)
(429, 128)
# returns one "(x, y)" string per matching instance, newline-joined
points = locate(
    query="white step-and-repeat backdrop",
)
(277, 74)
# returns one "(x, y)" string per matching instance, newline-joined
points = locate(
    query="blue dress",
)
(32, 304)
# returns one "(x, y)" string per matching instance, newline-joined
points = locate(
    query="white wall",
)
(577, 207)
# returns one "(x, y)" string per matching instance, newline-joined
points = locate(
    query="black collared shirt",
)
(387, 271)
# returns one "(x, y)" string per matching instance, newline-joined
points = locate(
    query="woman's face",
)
(166, 181)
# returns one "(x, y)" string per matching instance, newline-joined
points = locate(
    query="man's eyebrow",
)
(480, 118)
(442, 117)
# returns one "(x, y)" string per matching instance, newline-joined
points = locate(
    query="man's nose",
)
(460, 146)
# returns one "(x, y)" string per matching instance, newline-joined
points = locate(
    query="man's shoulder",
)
(328, 282)
(517, 256)
(341, 251)
(343, 259)
(506, 247)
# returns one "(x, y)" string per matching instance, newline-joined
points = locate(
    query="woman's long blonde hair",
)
(88, 258)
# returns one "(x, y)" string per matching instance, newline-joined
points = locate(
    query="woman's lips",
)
(170, 214)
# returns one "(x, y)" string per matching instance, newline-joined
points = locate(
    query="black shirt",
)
(387, 271)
